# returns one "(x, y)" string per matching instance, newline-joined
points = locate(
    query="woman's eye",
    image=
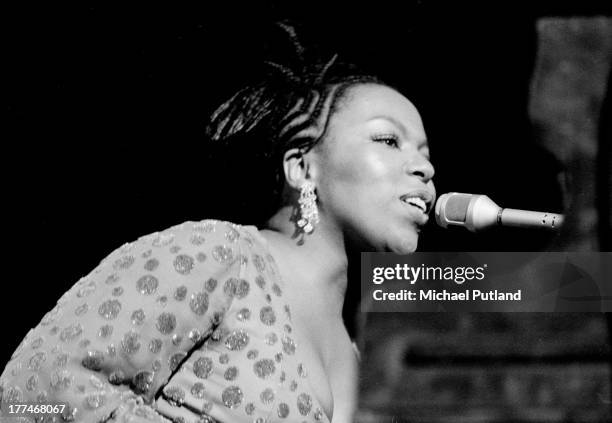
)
(389, 140)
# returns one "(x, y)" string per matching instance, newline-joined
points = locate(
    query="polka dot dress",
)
(187, 325)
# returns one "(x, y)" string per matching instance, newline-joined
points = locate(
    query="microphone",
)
(476, 212)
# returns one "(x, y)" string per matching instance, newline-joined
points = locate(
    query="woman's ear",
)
(297, 167)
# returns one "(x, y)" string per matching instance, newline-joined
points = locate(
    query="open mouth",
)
(417, 202)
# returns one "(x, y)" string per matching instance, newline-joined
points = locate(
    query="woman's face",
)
(373, 173)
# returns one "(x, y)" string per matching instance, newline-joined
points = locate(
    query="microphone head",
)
(471, 211)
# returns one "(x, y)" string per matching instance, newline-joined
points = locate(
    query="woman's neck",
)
(318, 264)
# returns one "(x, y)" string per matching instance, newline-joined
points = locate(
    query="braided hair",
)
(290, 108)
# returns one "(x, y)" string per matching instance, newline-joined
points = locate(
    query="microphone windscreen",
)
(457, 206)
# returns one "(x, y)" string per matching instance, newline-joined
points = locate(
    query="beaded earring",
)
(309, 213)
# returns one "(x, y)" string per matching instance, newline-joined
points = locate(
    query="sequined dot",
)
(156, 365)
(37, 343)
(267, 316)
(109, 309)
(288, 345)
(197, 390)
(32, 383)
(117, 377)
(282, 377)
(142, 381)
(304, 404)
(36, 361)
(243, 314)
(84, 343)
(194, 335)
(224, 359)
(199, 303)
(180, 293)
(183, 264)
(147, 253)
(163, 240)
(252, 354)
(267, 396)
(175, 395)
(277, 290)
(232, 396)
(93, 360)
(287, 312)
(264, 368)
(210, 284)
(175, 249)
(105, 331)
(203, 367)
(219, 333)
(230, 373)
(197, 239)
(96, 400)
(54, 330)
(13, 394)
(271, 338)
(177, 339)
(249, 409)
(175, 360)
(123, 263)
(71, 332)
(69, 413)
(237, 340)
(162, 301)
(111, 350)
(206, 407)
(166, 322)
(283, 410)
(260, 281)
(278, 357)
(155, 345)
(288, 328)
(147, 284)
(293, 386)
(222, 254)
(301, 369)
(242, 289)
(61, 360)
(130, 343)
(205, 226)
(117, 291)
(318, 415)
(232, 235)
(268, 298)
(42, 396)
(138, 317)
(259, 263)
(201, 257)
(230, 287)
(112, 278)
(81, 310)
(61, 380)
(151, 264)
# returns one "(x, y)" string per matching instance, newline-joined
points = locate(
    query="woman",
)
(212, 321)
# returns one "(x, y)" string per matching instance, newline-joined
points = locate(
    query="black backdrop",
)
(107, 106)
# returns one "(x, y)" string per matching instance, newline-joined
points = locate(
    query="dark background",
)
(107, 107)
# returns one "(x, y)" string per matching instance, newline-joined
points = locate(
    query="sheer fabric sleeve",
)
(118, 335)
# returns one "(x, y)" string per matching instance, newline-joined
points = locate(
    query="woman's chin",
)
(406, 244)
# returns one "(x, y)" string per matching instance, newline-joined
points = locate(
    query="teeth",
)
(417, 202)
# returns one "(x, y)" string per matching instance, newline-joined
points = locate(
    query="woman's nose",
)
(421, 167)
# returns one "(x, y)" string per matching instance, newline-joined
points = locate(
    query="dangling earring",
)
(309, 213)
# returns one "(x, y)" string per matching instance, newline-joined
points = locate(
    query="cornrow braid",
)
(290, 108)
